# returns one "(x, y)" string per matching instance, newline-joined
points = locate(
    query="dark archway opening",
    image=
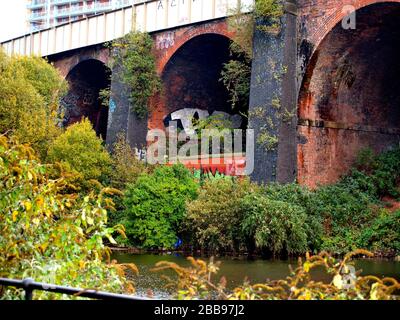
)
(350, 96)
(192, 81)
(86, 80)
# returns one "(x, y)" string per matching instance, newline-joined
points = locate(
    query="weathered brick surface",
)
(318, 17)
(168, 42)
(166, 45)
(87, 74)
(345, 78)
(67, 61)
(351, 81)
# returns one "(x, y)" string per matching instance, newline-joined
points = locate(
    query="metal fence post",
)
(28, 289)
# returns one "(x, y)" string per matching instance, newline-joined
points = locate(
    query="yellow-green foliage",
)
(30, 89)
(49, 235)
(269, 11)
(243, 27)
(199, 282)
(126, 166)
(213, 220)
(83, 151)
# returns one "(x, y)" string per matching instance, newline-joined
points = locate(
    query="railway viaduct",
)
(334, 68)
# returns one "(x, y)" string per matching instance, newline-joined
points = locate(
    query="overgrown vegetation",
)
(126, 167)
(134, 65)
(199, 282)
(213, 220)
(275, 226)
(236, 76)
(48, 234)
(155, 206)
(30, 89)
(290, 219)
(264, 16)
(83, 152)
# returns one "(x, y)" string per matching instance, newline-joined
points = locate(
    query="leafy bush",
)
(383, 234)
(382, 172)
(342, 205)
(274, 226)
(351, 206)
(214, 218)
(365, 160)
(126, 167)
(83, 151)
(30, 89)
(344, 209)
(269, 9)
(303, 198)
(386, 176)
(156, 205)
(47, 235)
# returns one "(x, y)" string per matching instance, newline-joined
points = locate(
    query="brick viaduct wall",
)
(167, 44)
(339, 106)
(343, 106)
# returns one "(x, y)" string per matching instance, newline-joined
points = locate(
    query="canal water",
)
(236, 270)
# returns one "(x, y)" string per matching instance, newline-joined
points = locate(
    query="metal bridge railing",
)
(29, 286)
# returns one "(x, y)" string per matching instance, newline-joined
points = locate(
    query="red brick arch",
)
(183, 35)
(67, 63)
(333, 14)
(163, 55)
(341, 107)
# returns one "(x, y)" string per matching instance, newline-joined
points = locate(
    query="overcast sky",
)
(12, 18)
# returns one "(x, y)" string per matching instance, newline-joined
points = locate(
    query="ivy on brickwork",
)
(132, 57)
(269, 12)
(268, 121)
(236, 73)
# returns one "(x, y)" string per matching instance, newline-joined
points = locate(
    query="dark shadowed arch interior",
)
(350, 97)
(192, 76)
(86, 80)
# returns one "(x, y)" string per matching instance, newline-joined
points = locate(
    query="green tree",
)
(156, 205)
(30, 89)
(80, 149)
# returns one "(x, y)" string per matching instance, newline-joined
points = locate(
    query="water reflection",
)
(236, 270)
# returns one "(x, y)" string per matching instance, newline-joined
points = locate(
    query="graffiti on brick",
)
(70, 99)
(69, 107)
(113, 105)
(184, 118)
(165, 41)
(88, 98)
